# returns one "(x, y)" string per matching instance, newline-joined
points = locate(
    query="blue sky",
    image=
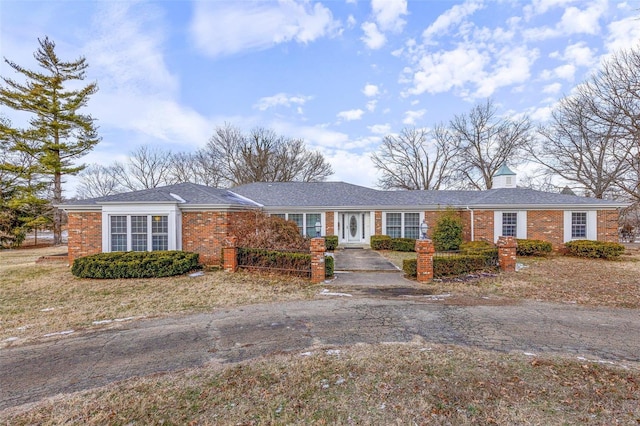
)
(340, 74)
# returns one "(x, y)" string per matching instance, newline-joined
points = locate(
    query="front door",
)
(354, 227)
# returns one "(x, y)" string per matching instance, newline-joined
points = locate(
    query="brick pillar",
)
(507, 253)
(317, 260)
(230, 255)
(424, 267)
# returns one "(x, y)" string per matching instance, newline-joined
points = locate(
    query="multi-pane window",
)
(298, 218)
(139, 233)
(118, 233)
(131, 233)
(311, 220)
(159, 233)
(579, 225)
(509, 224)
(412, 225)
(394, 225)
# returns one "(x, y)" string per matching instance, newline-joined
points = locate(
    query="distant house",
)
(198, 218)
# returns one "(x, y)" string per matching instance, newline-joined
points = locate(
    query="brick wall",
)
(378, 223)
(608, 225)
(205, 232)
(483, 226)
(546, 225)
(85, 234)
(329, 223)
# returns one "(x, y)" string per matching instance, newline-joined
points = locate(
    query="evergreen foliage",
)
(58, 132)
(447, 232)
(594, 249)
(135, 264)
(533, 247)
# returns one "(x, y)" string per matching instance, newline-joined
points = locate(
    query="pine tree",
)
(58, 132)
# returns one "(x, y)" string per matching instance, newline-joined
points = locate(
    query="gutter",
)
(472, 221)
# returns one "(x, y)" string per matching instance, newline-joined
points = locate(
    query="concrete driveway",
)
(31, 372)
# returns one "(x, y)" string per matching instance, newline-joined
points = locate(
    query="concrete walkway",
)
(362, 260)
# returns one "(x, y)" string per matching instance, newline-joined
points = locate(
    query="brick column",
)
(507, 253)
(317, 260)
(230, 255)
(424, 267)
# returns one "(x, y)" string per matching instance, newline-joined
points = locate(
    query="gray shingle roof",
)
(187, 194)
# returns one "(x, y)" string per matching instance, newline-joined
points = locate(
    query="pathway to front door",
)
(362, 259)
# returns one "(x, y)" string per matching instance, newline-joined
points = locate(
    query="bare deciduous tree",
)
(486, 141)
(98, 181)
(263, 156)
(415, 159)
(587, 152)
(147, 167)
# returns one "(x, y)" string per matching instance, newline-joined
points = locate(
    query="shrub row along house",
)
(198, 218)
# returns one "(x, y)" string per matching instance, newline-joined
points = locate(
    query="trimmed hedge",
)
(380, 242)
(594, 249)
(475, 246)
(533, 247)
(403, 244)
(295, 263)
(456, 264)
(138, 264)
(328, 266)
(331, 242)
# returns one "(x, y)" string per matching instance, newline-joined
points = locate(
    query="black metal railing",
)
(288, 262)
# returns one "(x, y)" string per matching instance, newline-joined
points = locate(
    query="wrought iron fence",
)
(288, 262)
(449, 263)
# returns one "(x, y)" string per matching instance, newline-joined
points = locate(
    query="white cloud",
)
(280, 99)
(226, 28)
(576, 21)
(355, 168)
(388, 12)
(371, 105)
(351, 21)
(451, 18)
(372, 38)
(623, 33)
(410, 117)
(370, 90)
(380, 129)
(351, 115)
(565, 72)
(552, 88)
(513, 66)
(538, 7)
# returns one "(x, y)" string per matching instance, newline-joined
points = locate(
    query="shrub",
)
(403, 244)
(380, 242)
(447, 232)
(475, 246)
(328, 266)
(295, 263)
(257, 229)
(533, 247)
(410, 267)
(135, 264)
(464, 263)
(594, 249)
(331, 242)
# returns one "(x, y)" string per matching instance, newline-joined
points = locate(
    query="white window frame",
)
(592, 225)
(304, 220)
(521, 225)
(402, 222)
(174, 225)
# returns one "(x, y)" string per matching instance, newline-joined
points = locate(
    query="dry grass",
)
(38, 299)
(557, 278)
(382, 384)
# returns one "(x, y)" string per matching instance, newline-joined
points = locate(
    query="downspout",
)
(472, 220)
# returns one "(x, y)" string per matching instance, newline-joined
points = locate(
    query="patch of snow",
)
(47, 309)
(520, 266)
(529, 354)
(197, 274)
(124, 319)
(59, 333)
(10, 339)
(306, 354)
(326, 292)
(102, 322)
(333, 352)
(382, 406)
(340, 381)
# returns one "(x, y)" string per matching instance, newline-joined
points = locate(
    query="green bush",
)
(295, 263)
(331, 242)
(403, 244)
(410, 267)
(475, 246)
(594, 249)
(328, 266)
(447, 232)
(464, 263)
(135, 264)
(380, 242)
(533, 247)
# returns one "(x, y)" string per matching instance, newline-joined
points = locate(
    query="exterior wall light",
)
(318, 228)
(424, 228)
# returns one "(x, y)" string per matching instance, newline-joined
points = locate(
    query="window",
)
(509, 224)
(312, 218)
(280, 215)
(159, 233)
(298, 218)
(412, 225)
(118, 233)
(394, 225)
(579, 225)
(131, 233)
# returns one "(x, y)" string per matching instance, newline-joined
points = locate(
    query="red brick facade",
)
(378, 223)
(546, 225)
(424, 266)
(329, 228)
(317, 260)
(608, 225)
(85, 234)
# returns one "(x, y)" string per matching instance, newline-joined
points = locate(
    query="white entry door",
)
(354, 228)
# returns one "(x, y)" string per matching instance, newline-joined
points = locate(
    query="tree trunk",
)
(57, 213)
